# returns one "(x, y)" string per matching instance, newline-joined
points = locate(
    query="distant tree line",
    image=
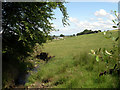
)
(87, 32)
(81, 33)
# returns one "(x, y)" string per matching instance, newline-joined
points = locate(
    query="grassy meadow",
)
(72, 66)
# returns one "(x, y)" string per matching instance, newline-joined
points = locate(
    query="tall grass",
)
(72, 66)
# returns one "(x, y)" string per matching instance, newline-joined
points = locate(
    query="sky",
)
(86, 15)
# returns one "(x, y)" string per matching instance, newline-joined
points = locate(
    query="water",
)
(33, 70)
(23, 78)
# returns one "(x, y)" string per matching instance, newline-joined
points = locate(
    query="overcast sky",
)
(86, 15)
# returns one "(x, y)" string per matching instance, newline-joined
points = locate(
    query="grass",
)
(72, 66)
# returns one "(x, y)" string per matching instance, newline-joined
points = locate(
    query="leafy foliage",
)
(28, 23)
(111, 55)
(24, 25)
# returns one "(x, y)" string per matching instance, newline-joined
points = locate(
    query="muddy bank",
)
(23, 77)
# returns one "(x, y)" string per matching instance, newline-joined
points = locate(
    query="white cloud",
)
(92, 19)
(75, 20)
(103, 13)
(102, 21)
(99, 19)
(99, 24)
(111, 16)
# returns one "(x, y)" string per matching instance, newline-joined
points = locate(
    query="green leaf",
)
(31, 36)
(97, 58)
(106, 61)
(99, 49)
(20, 38)
(114, 21)
(114, 26)
(116, 14)
(116, 38)
(3, 51)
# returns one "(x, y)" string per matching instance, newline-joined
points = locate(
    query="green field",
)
(72, 66)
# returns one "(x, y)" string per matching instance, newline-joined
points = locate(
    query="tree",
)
(24, 24)
(86, 31)
(54, 36)
(99, 30)
(73, 34)
(61, 35)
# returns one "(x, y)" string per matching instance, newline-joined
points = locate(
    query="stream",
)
(23, 78)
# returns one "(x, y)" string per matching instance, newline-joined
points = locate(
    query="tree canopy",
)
(27, 23)
(61, 35)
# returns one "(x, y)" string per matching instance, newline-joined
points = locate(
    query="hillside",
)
(72, 66)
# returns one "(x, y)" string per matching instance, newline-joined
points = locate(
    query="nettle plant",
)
(109, 56)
